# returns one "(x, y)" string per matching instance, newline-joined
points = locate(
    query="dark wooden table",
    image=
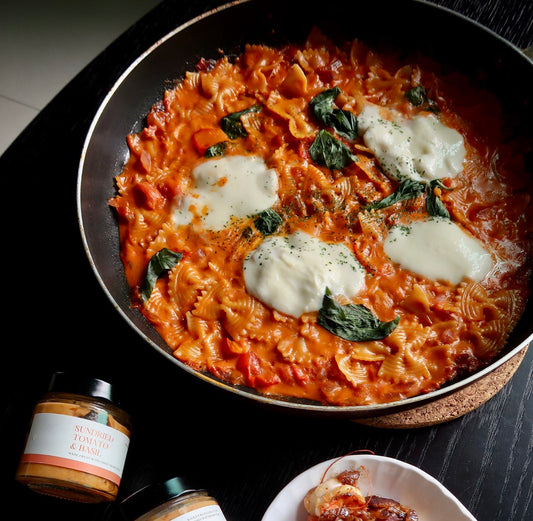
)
(59, 318)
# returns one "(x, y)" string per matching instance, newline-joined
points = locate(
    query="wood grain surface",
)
(243, 453)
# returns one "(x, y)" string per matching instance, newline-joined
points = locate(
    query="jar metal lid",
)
(154, 495)
(68, 382)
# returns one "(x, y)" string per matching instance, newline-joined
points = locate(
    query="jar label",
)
(78, 444)
(208, 513)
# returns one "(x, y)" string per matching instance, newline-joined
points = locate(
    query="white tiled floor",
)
(45, 43)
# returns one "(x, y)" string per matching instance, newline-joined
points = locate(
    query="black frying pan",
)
(408, 25)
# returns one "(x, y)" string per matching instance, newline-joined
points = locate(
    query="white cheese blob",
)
(421, 148)
(290, 274)
(438, 249)
(231, 186)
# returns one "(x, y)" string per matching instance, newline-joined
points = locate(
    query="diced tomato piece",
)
(169, 188)
(122, 207)
(299, 375)
(148, 196)
(303, 149)
(236, 348)
(206, 137)
(256, 373)
(146, 161)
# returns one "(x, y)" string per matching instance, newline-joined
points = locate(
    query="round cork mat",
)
(454, 405)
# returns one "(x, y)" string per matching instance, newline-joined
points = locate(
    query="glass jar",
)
(169, 501)
(78, 441)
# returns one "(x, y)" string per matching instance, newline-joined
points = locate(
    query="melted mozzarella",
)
(439, 250)
(291, 273)
(232, 186)
(422, 148)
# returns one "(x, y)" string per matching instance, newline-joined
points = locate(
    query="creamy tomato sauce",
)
(372, 159)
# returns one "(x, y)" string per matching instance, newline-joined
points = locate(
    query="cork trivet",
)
(454, 405)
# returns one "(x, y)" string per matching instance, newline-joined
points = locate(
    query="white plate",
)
(390, 478)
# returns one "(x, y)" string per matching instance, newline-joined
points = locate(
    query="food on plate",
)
(340, 499)
(327, 222)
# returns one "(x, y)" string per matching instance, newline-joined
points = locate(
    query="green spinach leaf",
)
(418, 97)
(328, 151)
(159, 264)
(353, 322)
(407, 189)
(322, 104)
(268, 221)
(215, 150)
(232, 124)
(434, 206)
(345, 123)
(342, 121)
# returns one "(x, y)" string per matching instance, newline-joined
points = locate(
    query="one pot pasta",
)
(328, 223)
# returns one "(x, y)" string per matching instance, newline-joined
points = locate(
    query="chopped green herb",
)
(268, 221)
(159, 264)
(353, 322)
(404, 230)
(328, 151)
(247, 232)
(232, 124)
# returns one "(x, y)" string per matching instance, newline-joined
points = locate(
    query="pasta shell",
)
(355, 372)
(294, 349)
